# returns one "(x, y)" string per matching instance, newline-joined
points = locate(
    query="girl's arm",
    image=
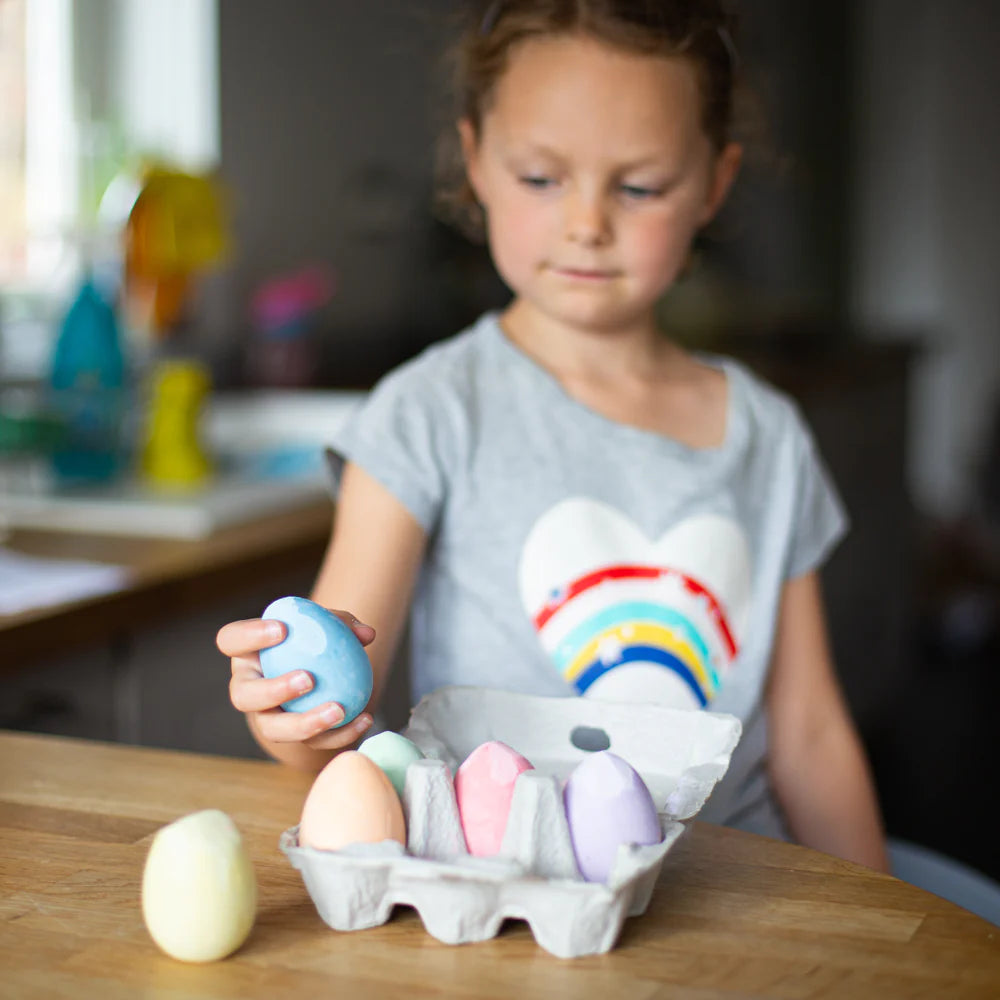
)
(816, 761)
(370, 567)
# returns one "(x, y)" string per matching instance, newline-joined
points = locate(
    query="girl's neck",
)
(638, 350)
(633, 376)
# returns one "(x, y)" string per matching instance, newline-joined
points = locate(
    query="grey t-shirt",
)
(572, 555)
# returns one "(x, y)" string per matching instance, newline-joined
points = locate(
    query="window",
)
(12, 56)
(88, 87)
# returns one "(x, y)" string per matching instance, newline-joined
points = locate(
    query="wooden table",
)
(167, 577)
(732, 915)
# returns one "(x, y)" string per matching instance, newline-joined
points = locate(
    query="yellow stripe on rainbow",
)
(640, 634)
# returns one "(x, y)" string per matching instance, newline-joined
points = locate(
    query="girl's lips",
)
(583, 274)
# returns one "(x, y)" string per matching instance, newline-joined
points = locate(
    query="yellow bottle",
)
(173, 455)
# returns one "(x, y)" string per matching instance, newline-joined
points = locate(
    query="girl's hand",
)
(260, 697)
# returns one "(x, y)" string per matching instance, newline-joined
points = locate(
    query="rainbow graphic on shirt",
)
(626, 618)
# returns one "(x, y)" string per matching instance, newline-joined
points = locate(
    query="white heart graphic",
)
(625, 617)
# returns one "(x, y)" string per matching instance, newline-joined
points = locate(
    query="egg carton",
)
(681, 755)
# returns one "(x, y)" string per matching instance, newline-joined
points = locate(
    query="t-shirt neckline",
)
(552, 387)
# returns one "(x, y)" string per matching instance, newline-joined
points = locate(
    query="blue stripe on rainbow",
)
(627, 613)
(607, 648)
(644, 654)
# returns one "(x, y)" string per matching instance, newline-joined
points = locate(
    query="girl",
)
(575, 504)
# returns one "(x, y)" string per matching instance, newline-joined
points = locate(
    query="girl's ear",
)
(727, 166)
(470, 154)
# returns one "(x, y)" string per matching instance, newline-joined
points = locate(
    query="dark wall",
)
(329, 113)
(328, 121)
(784, 232)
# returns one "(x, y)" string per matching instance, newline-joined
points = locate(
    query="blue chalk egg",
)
(322, 644)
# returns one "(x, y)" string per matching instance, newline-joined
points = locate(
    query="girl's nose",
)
(587, 221)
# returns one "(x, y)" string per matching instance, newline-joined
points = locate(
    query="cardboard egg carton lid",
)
(460, 899)
(680, 754)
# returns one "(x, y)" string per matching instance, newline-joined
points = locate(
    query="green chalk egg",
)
(394, 754)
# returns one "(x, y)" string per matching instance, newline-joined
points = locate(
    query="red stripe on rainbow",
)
(637, 573)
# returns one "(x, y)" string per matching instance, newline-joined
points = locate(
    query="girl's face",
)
(595, 174)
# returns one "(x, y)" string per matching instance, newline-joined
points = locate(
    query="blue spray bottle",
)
(88, 390)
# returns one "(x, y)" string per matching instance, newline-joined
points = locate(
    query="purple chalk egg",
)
(607, 805)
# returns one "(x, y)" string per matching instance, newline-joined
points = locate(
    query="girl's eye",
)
(536, 182)
(640, 193)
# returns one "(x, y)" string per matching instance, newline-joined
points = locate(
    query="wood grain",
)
(733, 915)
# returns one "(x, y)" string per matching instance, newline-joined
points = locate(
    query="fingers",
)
(263, 696)
(344, 736)
(250, 636)
(254, 634)
(249, 691)
(312, 727)
(365, 633)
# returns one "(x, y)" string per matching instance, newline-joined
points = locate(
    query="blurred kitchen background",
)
(235, 197)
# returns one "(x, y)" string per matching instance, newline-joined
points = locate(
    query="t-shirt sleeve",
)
(820, 520)
(401, 435)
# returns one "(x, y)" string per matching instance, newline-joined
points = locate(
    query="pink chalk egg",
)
(484, 787)
(607, 805)
(351, 802)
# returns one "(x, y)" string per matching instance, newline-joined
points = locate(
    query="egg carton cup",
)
(460, 899)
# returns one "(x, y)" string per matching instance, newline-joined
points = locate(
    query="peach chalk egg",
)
(352, 801)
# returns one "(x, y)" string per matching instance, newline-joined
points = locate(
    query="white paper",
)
(28, 582)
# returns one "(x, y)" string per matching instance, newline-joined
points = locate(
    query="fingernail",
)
(301, 681)
(332, 715)
(361, 624)
(273, 630)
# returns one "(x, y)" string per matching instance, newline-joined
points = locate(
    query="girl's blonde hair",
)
(700, 30)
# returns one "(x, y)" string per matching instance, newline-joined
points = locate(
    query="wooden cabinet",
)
(73, 694)
(141, 666)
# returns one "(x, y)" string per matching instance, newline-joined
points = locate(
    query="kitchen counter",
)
(732, 914)
(167, 577)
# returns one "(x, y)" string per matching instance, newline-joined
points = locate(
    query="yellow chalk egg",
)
(351, 802)
(199, 893)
